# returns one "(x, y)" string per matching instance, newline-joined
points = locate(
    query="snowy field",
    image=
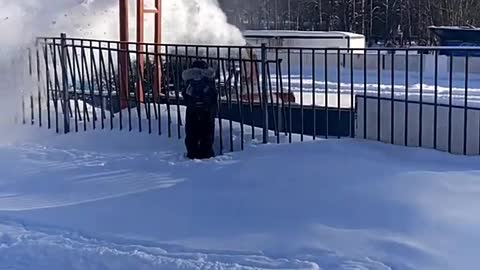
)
(120, 200)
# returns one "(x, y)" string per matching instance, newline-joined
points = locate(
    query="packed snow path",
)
(118, 200)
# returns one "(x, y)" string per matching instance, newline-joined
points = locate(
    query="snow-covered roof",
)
(462, 28)
(300, 34)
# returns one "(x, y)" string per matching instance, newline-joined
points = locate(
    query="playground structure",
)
(248, 78)
(140, 46)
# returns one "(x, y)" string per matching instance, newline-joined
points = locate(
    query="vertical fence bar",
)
(32, 110)
(74, 83)
(435, 101)
(246, 77)
(282, 95)
(231, 72)
(240, 98)
(352, 93)
(30, 73)
(92, 85)
(57, 126)
(264, 93)
(109, 82)
(47, 82)
(148, 89)
(244, 80)
(84, 75)
(406, 98)
(302, 112)
(100, 84)
(420, 120)
(134, 92)
(253, 79)
(149, 96)
(135, 70)
(465, 109)
(450, 101)
(365, 94)
(379, 135)
(113, 85)
(168, 66)
(159, 70)
(223, 73)
(278, 79)
(154, 83)
(142, 94)
(71, 68)
(177, 92)
(77, 75)
(327, 131)
(66, 99)
(118, 86)
(88, 80)
(258, 81)
(392, 100)
(145, 86)
(81, 79)
(72, 77)
(219, 85)
(339, 97)
(289, 52)
(272, 100)
(24, 118)
(124, 82)
(39, 80)
(30, 62)
(76, 79)
(314, 96)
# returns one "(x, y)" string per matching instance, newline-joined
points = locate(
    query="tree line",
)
(380, 20)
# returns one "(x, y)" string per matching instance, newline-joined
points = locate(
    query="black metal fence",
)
(413, 96)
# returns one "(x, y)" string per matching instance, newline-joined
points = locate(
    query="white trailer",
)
(305, 39)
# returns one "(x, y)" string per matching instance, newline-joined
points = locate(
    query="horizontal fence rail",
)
(423, 97)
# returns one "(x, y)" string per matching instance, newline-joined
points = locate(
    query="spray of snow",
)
(184, 21)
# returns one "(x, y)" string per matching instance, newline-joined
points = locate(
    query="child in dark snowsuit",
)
(200, 97)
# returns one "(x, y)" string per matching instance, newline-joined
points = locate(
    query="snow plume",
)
(198, 21)
(22, 21)
(184, 21)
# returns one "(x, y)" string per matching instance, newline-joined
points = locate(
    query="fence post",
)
(264, 93)
(66, 99)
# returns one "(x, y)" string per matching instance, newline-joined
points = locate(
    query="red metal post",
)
(158, 41)
(140, 46)
(123, 54)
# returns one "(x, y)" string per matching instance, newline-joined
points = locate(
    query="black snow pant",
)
(200, 133)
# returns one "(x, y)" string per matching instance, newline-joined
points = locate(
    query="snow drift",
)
(99, 201)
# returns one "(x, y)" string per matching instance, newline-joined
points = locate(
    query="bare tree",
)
(376, 19)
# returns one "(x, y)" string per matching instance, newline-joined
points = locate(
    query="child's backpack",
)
(199, 92)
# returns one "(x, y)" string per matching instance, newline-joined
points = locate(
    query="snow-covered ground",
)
(122, 200)
(383, 87)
